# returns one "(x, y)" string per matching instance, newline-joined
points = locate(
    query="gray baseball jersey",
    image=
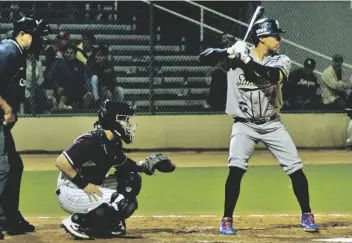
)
(252, 96)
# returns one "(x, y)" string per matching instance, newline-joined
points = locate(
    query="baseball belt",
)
(257, 121)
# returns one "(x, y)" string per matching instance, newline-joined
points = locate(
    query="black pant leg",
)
(4, 170)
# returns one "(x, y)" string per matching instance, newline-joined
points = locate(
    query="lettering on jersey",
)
(259, 83)
(243, 106)
(89, 163)
(306, 83)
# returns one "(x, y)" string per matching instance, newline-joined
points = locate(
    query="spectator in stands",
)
(36, 99)
(300, 90)
(102, 77)
(56, 49)
(86, 47)
(60, 41)
(69, 79)
(334, 85)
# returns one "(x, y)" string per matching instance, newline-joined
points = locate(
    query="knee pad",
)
(100, 219)
(127, 207)
(129, 184)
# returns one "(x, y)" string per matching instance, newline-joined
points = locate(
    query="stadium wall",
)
(209, 132)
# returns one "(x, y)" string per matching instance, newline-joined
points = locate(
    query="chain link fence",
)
(146, 54)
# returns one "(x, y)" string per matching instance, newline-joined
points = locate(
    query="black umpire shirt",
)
(11, 60)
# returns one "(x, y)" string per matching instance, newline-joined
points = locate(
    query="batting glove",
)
(231, 51)
(242, 51)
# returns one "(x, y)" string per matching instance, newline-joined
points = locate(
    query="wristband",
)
(79, 181)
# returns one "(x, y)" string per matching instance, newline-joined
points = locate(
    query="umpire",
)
(27, 39)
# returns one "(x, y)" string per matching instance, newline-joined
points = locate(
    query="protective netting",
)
(146, 54)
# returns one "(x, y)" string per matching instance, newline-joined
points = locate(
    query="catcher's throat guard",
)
(116, 117)
(124, 128)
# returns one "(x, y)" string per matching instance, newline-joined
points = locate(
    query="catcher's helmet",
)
(266, 27)
(36, 28)
(115, 116)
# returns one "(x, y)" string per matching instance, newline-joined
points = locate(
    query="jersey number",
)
(243, 106)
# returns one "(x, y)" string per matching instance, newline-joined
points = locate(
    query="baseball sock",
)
(232, 190)
(300, 188)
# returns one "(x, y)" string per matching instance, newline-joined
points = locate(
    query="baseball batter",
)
(254, 98)
(100, 204)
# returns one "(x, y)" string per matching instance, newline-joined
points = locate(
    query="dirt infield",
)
(269, 228)
(202, 229)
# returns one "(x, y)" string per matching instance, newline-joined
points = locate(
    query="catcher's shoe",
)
(119, 229)
(308, 223)
(71, 226)
(226, 227)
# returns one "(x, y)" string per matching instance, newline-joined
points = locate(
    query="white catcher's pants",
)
(74, 200)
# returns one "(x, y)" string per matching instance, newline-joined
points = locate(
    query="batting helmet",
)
(265, 27)
(36, 28)
(115, 116)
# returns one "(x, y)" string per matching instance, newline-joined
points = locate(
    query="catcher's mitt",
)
(157, 161)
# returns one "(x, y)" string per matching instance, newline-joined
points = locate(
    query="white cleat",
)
(73, 228)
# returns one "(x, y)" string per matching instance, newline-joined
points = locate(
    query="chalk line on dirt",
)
(212, 216)
(334, 240)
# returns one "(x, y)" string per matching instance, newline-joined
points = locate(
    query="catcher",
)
(100, 203)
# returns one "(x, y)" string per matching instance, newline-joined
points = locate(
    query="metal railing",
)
(202, 8)
(203, 25)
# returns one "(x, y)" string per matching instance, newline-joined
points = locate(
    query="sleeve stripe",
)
(68, 158)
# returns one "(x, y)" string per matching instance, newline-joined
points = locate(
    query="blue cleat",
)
(308, 222)
(226, 227)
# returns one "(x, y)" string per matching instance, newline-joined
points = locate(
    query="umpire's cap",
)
(36, 28)
(31, 26)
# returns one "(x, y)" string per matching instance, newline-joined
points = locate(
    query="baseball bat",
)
(257, 14)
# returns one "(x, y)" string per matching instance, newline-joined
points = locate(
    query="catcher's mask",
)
(38, 29)
(115, 116)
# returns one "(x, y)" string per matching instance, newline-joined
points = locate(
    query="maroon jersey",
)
(93, 156)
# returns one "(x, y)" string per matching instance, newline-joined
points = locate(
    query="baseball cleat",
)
(226, 227)
(73, 228)
(308, 222)
(119, 229)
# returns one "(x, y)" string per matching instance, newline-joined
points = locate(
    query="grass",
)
(265, 190)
